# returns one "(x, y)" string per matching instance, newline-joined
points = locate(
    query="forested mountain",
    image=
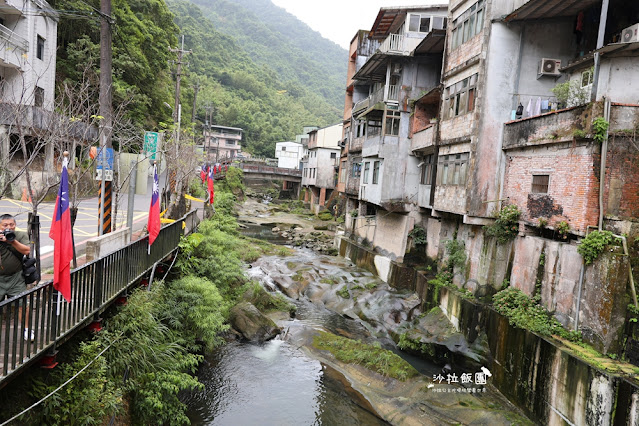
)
(277, 39)
(242, 93)
(234, 86)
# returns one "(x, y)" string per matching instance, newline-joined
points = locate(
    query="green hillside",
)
(274, 37)
(234, 86)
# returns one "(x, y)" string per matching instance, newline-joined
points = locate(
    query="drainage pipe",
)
(602, 171)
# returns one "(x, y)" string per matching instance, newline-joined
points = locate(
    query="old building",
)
(320, 165)
(222, 143)
(402, 58)
(28, 31)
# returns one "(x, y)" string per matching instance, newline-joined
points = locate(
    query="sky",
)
(339, 20)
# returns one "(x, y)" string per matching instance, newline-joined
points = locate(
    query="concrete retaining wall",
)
(552, 386)
(101, 246)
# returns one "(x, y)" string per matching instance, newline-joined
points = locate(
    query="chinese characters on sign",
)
(478, 378)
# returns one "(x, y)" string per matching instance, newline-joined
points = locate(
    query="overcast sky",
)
(339, 20)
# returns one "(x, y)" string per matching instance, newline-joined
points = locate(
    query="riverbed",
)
(288, 382)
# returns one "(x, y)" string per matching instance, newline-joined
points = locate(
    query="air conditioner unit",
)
(630, 34)
(549, 66)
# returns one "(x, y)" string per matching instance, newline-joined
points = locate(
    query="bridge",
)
(256, 174)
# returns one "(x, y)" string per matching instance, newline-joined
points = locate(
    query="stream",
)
(278, 383)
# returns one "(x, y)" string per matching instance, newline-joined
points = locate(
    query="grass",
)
(372, 357)
(331, 279)
(343, 293)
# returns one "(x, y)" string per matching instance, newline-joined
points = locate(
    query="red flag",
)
(153, 224)
(210, 186)
(203, 173)
(60, 233)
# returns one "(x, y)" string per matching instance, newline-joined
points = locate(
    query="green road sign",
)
(151, 144)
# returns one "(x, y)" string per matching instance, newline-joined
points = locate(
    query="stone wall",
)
(549, 384)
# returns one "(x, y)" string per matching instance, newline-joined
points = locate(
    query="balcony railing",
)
(13, 38)
(394, 43)
(378, 96)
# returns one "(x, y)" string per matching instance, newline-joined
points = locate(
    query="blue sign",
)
(101, 157)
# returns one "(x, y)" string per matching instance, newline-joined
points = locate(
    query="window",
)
(586, 78)
(451, 169)
(419, 23)
(367, 167)
(540, 184)
(374, 127)
(38, 96)
(376, 172)
(468, 24)
(230, 142)
(392, 122)
(40, 48)
(283, 148)
(333, 155)
(460, 97)
(427, 170)
(360, 129)
(356, 170)
(342, 171)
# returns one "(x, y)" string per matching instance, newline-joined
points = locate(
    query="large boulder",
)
(251, 323)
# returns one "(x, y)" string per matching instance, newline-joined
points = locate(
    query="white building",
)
(28, 43)
(289, 154)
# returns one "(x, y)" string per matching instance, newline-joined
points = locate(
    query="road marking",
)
(46, 249)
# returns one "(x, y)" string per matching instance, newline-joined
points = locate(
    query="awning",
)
(433, 43)
(379, 106)
(544, 9)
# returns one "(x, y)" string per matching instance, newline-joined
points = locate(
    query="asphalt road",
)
(86, 225)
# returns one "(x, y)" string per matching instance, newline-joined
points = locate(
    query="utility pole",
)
(177, 115)
(106, 111)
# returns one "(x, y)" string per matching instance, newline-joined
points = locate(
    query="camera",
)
(9, 235)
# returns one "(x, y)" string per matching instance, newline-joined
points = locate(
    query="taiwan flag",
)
(153, 225)
(60, 233)
(210, 185)
(203, 172)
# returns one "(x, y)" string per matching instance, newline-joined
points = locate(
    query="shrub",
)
(456, 254)
(418, 234)
(594, 244)
(506, 226)
(599, 129)
(563, 228)
(523, 312)
(325, 215)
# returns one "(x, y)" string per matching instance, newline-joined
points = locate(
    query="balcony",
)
(424, 138)
(13, 39)
(378, 96)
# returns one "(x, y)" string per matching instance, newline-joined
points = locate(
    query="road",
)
(86, 224)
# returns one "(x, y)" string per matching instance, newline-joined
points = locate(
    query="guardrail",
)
(94, 286)
(251, 168)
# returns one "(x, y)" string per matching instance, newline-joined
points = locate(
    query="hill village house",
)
(450, 116)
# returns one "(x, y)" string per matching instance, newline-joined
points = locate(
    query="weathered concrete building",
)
(222, 143)
(28, 42)
(403, 62)
(320, 166)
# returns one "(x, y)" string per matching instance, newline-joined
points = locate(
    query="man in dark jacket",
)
(13, 246)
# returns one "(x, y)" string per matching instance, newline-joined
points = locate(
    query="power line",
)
(62, 385)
